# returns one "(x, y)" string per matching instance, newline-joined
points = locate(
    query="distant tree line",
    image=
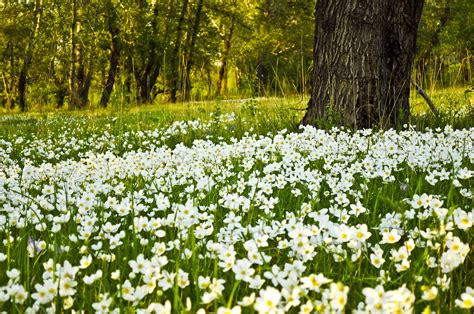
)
(82, 53)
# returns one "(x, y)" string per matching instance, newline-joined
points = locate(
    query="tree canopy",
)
(81, 53)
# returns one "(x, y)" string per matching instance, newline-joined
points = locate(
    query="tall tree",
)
(146, 39)
(190, 46)
(363, 55)
(114, 32)
(73, 97)
(22, 80)
(175, 57)
(227, 38)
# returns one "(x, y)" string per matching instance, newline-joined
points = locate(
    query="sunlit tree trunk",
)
(22, 79)
(175, 71)
(190, 44)
(225, 56)
(72, 93)
(363, 55)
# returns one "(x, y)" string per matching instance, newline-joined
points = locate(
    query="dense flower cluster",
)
(290, 222)
(74, 139)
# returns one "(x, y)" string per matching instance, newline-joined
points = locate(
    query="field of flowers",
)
(192, 217)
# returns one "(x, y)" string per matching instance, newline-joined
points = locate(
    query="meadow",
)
(230, 207)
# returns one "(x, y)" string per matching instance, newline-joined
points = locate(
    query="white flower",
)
(268, 301)
(467, 299)
(66, 287)
(376, 260)
(127, 291)
(115, 275)
(18, 293)
(242, 270)
(13, 274)
(314, 282)
(429, 293)
(44, 293)
(390, 237)
(247, 300)
(103, 305)
(85, 262)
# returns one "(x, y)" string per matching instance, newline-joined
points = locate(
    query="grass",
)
(221, 205)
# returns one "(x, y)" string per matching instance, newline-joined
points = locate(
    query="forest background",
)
(80, 54)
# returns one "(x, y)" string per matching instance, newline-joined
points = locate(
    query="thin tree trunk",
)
(190, 48)
(364, 51)
(146, 78)
(73, 98)
(114, 32)
(176, 51)
(225, 56)
(84, 78)
(424, 60)
(8, 98)
(22, 79)
(85, 85)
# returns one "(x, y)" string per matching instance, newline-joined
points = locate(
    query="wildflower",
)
(376, 260)
(66, 287)
(85, 262)
(103, 305)
(127, 291)
(242, 270)
(13, 274)
(429, 293)
(307, 307)
(247, 300)
(390, 237)
(338, 296)
(467, 299)
(44, 293)
(268, 301)
(314, 282)
(18, 293)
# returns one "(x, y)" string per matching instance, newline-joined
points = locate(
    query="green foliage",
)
(249, 48)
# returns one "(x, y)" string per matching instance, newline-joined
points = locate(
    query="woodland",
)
(80, 54)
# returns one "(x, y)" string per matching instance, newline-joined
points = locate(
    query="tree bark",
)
(114, 32)
(147, 76)
(22, 79)
(425, 57)
(363, 55)
(8, 98)
(176, 52)
(72, 92)
(84, 78)
(223, 69)
(190, 43)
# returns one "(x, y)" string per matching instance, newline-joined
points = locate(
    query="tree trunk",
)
(114, 31)
(176, 52)
(8, 98)
(363, 55)
(146, 76)
(84, 78)
(22, 79)
(223, 69)
(426, 57)
(73, 98)
(190, 43)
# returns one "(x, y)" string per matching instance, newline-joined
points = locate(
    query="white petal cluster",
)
(307, 221)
